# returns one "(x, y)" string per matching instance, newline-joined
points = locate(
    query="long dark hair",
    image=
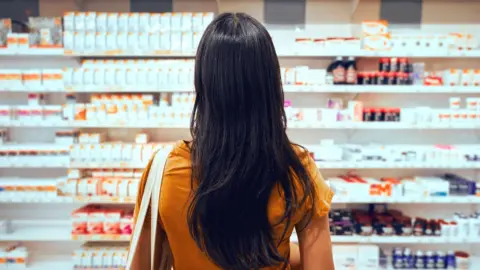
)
(240, 150)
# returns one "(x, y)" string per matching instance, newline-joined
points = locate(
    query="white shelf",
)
(336, 200)
(397, 239)
(49, 262)
(395, 165)
(392, 53)
(39, 230)
(33, 51)
(333, 125)
(407, 200)
(61, 231)
(190, 54)
(400, 89)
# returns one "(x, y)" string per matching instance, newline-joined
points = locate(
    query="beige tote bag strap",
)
(162, 157)
(157, 167)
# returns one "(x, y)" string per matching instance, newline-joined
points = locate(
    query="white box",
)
(368, 257)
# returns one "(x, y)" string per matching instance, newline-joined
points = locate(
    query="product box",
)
(368, 257)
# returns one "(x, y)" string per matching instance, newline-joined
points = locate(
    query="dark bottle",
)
(351, 71)
(337, 71)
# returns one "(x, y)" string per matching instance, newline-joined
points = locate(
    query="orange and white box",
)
(376, 43)
(52, 78)
(122, 188)
(375, 28)
(79, 40)
(111, 224)
(144, 22)
(137, 154)
(127, 152)
(122, 25)
(69, 21)
(79, 222)
(467, 77)
(133, 22)
(32, 78)
(451, 77)
(133, 185)
(12, 78)
(96, 219)
(93, 186)
(91, 21)
(12, 41)
(101, 22)
(112, 22)
(77, 76)
(186, 21)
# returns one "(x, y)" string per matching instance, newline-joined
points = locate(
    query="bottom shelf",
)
(50, 262)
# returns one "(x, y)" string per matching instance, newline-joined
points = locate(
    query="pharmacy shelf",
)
(32, 52)
(396, 165)
(333, 52)
(53, 230)
(155, 124)
(37, 164)
(403, 240)
(397, 239)
(320, 165)
(49, 262)
(131, 53)
(340, 198)
(66, 200)
(39, 230)
(326, 52)
(401, 89)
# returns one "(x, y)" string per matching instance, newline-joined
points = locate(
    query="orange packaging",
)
(375, 28)
(79, 221)
(96, 219)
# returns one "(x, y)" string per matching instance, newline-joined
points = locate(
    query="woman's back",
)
(176, 196)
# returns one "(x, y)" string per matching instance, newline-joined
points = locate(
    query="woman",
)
(231, 197)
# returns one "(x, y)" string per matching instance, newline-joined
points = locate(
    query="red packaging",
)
(126, 223)
(111, 224)
(79, 221)
(96, 219)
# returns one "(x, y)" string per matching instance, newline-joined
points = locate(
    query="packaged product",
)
(46, 32)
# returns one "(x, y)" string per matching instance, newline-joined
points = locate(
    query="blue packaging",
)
(440, 260)
(450, 261)
(397, 258)
(408, 260)
(429, 260)
(419, 260)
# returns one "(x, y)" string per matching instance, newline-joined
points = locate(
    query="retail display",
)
(93, 220)
(94, 256)
(76, 161)
(13, 256)
(99, 31)
(327, 150)
(394, 223)
(353, 186)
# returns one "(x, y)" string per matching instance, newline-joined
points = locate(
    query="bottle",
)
(351, 71)
(419, 260)
(408, 261)
(336, 71)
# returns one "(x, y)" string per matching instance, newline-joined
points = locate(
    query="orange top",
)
(175, 198)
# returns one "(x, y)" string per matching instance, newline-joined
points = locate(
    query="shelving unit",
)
(39, 221)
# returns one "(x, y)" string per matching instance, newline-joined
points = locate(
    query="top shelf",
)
(191, 54)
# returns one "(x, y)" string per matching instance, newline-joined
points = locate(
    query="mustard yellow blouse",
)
(175, 198)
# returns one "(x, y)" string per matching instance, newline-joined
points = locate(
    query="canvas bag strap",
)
(157, 164)
(158, 175)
